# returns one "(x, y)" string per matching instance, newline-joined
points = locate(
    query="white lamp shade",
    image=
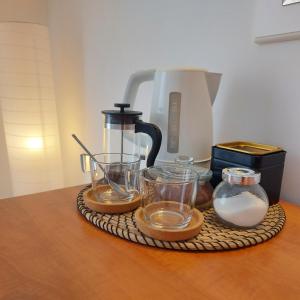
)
(28, 108)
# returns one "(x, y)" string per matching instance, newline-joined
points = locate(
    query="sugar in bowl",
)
(239, 200)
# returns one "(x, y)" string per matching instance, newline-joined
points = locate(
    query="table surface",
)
(49, 251)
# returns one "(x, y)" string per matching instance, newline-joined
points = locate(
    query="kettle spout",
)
(213, 83)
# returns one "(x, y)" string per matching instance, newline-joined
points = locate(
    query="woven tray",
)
(214, 236)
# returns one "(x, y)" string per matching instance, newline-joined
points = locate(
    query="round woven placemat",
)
(214, 236)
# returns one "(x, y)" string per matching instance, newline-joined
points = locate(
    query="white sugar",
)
(244, 209)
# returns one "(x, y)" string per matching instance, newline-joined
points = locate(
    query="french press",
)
(120, 128)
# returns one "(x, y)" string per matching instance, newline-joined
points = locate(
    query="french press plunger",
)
(120, 128)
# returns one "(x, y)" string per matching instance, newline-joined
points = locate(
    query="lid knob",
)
(122, 106)
(184, 159)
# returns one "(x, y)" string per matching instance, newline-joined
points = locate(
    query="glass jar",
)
(205, 190)
(239, 200)
(168, 195)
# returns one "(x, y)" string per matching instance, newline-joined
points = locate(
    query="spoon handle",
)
(112, 184)
(90, 154)
(83, 147)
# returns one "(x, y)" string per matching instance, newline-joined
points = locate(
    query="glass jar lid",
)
(204, 174)
(242, 176)
(169, 174)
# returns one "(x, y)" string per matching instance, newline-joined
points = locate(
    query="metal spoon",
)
(117, 188)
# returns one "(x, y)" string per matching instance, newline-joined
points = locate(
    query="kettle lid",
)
(121, 116)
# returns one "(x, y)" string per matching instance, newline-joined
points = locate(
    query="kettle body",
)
(182, 108)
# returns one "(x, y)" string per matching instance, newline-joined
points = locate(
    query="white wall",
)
(66, 35)
(98, 43)
(5, 182)
(273, 18)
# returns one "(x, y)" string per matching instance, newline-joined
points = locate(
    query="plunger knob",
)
(122, 106)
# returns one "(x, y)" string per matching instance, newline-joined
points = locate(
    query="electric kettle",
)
(182, 108)
(120, 128)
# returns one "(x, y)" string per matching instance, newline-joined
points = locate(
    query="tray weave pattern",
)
(214, 236)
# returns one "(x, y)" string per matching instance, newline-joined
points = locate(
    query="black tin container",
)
(268, 160)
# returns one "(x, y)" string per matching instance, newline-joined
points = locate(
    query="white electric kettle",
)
(182, 108)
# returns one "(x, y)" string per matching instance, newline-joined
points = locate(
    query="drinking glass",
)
(168, 195)
(121, 169)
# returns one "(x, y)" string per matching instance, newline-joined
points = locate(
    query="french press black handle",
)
(155, 135)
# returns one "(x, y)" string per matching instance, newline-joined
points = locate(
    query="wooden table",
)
(49, 251)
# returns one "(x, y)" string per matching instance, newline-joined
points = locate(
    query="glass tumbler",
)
(168, 195)
(121, 174)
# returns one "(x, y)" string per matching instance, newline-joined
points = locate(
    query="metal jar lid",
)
(242, 176)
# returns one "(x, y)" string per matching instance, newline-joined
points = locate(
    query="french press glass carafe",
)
(120, 128)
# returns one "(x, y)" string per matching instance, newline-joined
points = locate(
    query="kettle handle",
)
(155, 135)
(134, 82)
